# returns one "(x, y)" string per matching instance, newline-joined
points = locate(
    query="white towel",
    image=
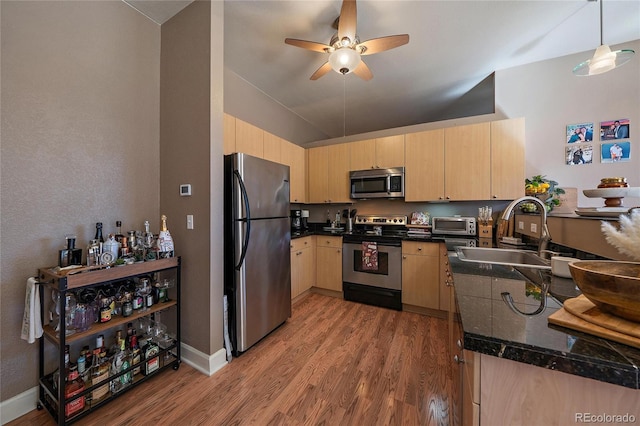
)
(32, 322)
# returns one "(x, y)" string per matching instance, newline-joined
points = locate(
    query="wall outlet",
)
(189, 221)
(534, 228)
(521, 225)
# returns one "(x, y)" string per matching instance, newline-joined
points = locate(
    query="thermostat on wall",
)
(185, 189)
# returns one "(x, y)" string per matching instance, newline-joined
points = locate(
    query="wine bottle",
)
(165, 242)
(99, 236)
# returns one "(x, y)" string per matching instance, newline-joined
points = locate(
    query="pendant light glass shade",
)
(603, 59)
(344, 60)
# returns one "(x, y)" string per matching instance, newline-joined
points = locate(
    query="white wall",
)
(551, 97)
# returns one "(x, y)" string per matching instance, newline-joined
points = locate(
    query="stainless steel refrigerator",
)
(257, 248)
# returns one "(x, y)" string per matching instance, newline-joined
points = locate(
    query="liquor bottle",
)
(93, 253)
(88, 362)
(151, 359)
(121, 362)
(99, 236)
(74, 386)
(71, 255)
(165, 242)
(148, 239)
(101, 374)
(119, 236)
(135, 354)
(65, 373)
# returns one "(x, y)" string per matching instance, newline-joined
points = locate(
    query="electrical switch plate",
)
(189, 221)
(534, 228)
(520, 225)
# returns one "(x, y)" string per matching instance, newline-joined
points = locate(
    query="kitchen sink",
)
(497, 256)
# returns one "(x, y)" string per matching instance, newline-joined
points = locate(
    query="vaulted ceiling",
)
(454, 46)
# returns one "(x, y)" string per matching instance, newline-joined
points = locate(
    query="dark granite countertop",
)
(492, 327)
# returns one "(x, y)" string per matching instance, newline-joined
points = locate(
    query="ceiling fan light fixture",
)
(344, 60)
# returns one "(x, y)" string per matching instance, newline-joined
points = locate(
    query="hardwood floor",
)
(334, 363)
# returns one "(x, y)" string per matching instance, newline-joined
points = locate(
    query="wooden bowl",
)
(612, 286)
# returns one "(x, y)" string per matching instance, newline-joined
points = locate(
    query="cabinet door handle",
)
(419, 248)
(458, 360)
(298, 253)
(404, 256)
(447, 197)
(459, 343)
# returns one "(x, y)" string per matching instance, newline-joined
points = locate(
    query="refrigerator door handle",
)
(247, 220)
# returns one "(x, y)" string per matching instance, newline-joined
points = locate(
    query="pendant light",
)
(603, 59)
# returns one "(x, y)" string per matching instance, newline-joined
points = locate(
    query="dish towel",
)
(369, 256)
(31, 321)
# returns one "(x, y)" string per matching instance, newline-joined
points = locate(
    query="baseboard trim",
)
(19, 405)
(206, 364)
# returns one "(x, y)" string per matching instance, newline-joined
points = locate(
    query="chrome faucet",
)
(545, 237)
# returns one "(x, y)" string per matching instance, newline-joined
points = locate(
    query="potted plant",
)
(545, 189)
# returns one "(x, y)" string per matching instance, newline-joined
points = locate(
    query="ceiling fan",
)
(345, 49)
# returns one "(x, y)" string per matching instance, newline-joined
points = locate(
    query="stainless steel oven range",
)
(372, 261)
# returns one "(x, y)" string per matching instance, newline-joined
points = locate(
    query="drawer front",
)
(421, 249)
(324, 241)
(301, 243)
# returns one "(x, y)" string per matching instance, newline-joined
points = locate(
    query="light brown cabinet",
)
(229, 134)
(424, 166)
(467, 162)
(507, 159)
(379, 153)
(249, 139)
(295, 157)
(329, 263)
(421, 274)
(303, 265)
(328, 174)
(272, 147)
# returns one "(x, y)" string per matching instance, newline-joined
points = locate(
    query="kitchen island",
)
(526, 371)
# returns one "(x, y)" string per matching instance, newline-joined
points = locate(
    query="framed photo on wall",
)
(578, 154)
(615, 129)
(615, 152)
(582, 132)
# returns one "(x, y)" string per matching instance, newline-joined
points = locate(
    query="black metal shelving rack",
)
(52, 399)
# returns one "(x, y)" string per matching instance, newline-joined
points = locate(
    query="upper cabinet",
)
(507, 159)
(272, 147)
(380, 153)
(249, 139)
(467, 162)
(240, 136)
(229, 134)
(424, 167)
(328, 174)
(294, 156)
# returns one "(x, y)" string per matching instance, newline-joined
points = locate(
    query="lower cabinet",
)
(421, 274)
(303, 265)
(329, 263)
(470, 376)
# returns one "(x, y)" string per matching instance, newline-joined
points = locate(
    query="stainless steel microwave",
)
(377, 183)
(453, 225)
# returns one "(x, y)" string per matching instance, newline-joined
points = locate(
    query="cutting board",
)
(580, 314)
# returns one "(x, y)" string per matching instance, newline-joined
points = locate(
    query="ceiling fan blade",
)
(325, 68)
(381, 44)
(309, 45)
(347, 22)
(363, 71)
